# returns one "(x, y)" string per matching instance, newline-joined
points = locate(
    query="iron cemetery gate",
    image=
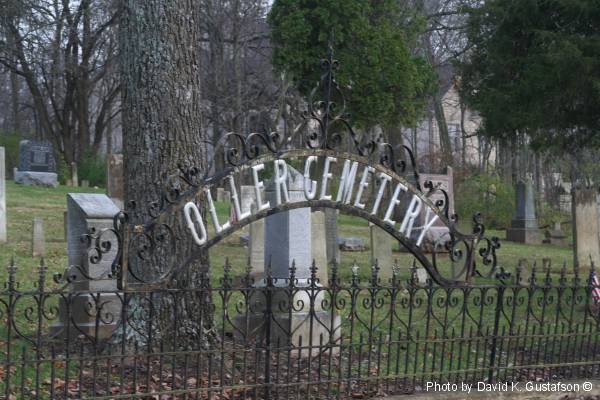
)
(285, 333)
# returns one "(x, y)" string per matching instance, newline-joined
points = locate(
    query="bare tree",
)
(63, 52)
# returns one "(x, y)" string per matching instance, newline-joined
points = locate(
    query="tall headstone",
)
(36, 164)
(524, 226)
(585, 228)
(38, 241)
(74, 174)
(90, 212)
(331, 235)
(439, 232)
(288, 233)
(3, 211)
(319, 245)
(287, 241)
(115, 188)
(381, 251)
(256, 247)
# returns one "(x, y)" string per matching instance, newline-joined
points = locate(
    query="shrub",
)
(487, 194)
(10, 142)
(92, 167)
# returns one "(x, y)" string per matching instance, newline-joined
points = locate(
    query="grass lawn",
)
(24, 203)
(27, 202)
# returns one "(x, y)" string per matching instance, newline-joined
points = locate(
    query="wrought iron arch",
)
(324, 132)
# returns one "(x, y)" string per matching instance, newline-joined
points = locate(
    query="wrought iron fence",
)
(270, 337)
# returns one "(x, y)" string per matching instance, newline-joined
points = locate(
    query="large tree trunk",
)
(162, 129)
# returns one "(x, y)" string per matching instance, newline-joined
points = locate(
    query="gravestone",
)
(331, 235)
(36, 164)
(420, 276)
(319, 245)
(115, 188)
(256, 247)
(351, 244)
(90, 212)
(556, 236)
(381, 251)
(38, 241)
(439, 232)
(85, 183)
(220, 194)
(287, 241)
(74, 174)
(524, 226)
(585, 228)
(3, 211)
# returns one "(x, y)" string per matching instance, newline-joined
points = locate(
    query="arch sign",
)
(354, 192)
(326, 163)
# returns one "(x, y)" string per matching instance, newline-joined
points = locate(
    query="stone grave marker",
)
(85, 183)
(524, 226)
(585, 228)
(256, 247)
(220, 194)
(351, 243)
(331, 235)
(287, 241)
(381, 251)
(88, 212)
(439, 231)
(36, 164)
(421, 276)
(556, 236)
(319, 245)
(74, 174)
(3, 211)
(115, 188)
(38, 241)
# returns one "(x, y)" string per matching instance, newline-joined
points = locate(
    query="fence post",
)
(268, 316)
(495, 333)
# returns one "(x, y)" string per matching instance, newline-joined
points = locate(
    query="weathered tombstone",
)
(115, 188)
(247, 198)
(381, 251)
(288, 242)
(439, 231)
(90, 213)
(556, 236)
(319, 245)
(421, 276)
(256, 247)
(36, 164)
(331, 235)
(585, 228)
(3, 211)
(38, 241)
(226, 196)
(288, 233)
(220, 191)
(351, 244)
(74, 174)
(524, 226)
(85, 183)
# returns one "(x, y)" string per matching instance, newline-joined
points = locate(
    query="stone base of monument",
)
(95, 315)
(524, 231)
(33, 178)
(300, 327)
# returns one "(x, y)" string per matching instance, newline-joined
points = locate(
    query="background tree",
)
(62, 51)
(373, 40)
(534, 71)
